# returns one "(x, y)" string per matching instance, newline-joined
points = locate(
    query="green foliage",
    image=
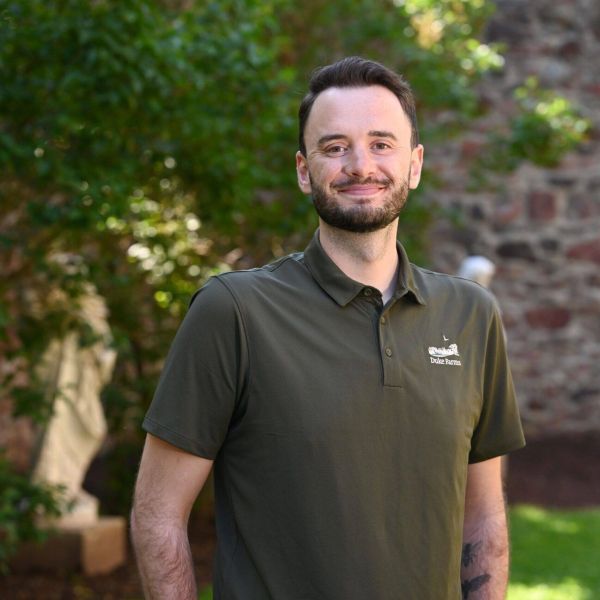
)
(545, 128)
(434, 44)
(30, 401)
(20, 503)
(129, 144)
(555, 554)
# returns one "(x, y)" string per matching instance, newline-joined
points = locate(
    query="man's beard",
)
(359, 218)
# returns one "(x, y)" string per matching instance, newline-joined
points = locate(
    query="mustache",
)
(359, 181)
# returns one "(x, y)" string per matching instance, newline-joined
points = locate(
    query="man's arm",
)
(484, 568)
(169, 480)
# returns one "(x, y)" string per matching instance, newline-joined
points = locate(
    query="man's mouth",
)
(361, 190)
(367, 188)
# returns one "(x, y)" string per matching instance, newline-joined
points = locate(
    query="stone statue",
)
(75, 375)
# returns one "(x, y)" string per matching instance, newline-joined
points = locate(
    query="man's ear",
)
(416, 166)
(302, 173)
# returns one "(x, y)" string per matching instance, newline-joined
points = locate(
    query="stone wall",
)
(540, 226)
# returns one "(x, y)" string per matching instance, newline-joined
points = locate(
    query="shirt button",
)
(368, 292)
(382, 320)
(388, 351)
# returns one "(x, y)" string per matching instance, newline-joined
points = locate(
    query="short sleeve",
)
(204, 375)
(499, 429)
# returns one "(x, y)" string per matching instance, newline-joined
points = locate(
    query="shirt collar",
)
(343, 289)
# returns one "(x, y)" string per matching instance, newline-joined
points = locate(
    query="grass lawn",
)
(205, 594)
(555, 555)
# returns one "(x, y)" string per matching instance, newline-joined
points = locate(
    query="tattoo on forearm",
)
(472, 585)
(469, 552)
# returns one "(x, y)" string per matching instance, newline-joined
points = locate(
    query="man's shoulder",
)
(245, 282)
(256, 275)
(436, 286)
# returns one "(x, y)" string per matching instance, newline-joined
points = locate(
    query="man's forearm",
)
(164, 560)
(484, 566)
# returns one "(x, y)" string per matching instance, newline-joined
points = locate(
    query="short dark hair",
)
(355, 71)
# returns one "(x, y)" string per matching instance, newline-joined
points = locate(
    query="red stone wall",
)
(540, 226)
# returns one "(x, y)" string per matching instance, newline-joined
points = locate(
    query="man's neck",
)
(369, 258)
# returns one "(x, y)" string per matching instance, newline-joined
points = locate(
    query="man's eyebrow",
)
(383, 134)
(331, 136)
(340, 136)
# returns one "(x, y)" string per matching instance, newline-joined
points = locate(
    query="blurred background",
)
(145, 146)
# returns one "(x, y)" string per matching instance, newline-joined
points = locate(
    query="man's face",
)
(359, 165)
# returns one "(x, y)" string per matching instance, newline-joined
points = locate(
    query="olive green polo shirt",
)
(341, 429)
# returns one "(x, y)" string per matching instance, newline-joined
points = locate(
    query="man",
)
(355, 406)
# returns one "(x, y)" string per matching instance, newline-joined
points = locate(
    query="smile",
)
(361, 190)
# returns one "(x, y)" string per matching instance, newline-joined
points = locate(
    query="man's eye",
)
(381, 146)
(335, 150)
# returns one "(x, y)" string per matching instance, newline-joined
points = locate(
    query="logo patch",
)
(441, 356)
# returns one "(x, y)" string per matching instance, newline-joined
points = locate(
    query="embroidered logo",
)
(441, 356)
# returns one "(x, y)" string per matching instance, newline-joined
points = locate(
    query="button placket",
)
(389, 356)
(383, 336)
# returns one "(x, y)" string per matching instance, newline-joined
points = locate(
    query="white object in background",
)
(477, 268)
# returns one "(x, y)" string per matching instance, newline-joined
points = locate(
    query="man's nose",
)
(360, 163)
